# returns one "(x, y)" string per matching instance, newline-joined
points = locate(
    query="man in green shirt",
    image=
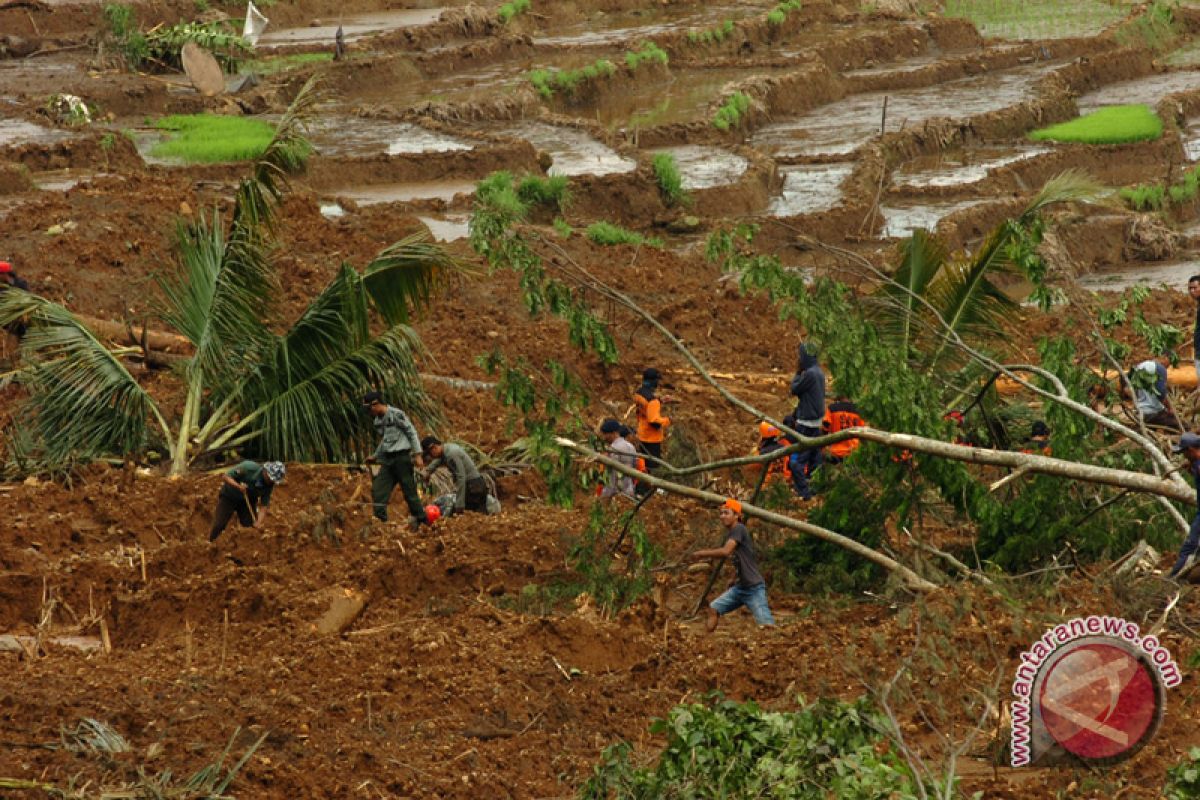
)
(399, 450)
(244, 489)
(470, 489)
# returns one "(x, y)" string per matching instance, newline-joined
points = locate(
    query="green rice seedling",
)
(547, 82)
(649, 51)
(1145, 197)
(1109, 125)
(512, 9)
(210, 138)
(669, 179)
(780, 12)
(562, 228)
(1155, 27)
(712, 35)
(730, 114)
(608, 234)
(1036, 19)
(551, 191)
(776, 17)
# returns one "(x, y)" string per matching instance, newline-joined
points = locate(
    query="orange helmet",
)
(767, 431)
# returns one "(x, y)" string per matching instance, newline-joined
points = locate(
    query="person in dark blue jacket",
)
(808, 386)
(1189, 446)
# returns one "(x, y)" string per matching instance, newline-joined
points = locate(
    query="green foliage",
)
(547, 403)
(548, 82)
(714, 35)
(738, 751)
(160, 47)
(562, 228)
(209, 138)
(730, 114)
(669, 180)
(122, 26)
(605, 233)
(612, 587)
(1152, 197)
(1109, 125)
(1155, 27)
(649, 51)
(499, 209)
(512, 9)
(1183, 779)
(552, 191)
(779, 14)
(1036, 19)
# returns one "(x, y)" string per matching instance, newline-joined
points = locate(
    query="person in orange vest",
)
(841, 414)
(769, 442)
(651, 423)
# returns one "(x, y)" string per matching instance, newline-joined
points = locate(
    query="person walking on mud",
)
(1189, 446)
(470, 489)
(246, 491)
(651, 423)
(398, 452)
(750, 588)
(1193, 288)
(621, 449)
(808, 387)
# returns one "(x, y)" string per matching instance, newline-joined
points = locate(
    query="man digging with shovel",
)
(243, 489)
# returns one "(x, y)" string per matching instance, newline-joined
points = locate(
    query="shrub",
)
(607, 234)
(778, 15)
(1110, 125)
(670, 181)
(649, 51)
(551, 191)
(1183, 779)
(208, 138)
(729, 115)
(512, 9)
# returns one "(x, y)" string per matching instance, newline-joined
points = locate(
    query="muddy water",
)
(1143, 90)
(62, 179)
(841, 127)
(18, 131)
(682, 96)
(900, 221)
(630, 26)
(407, 192)
(961, 168)
(356, 26)
(1191, 140)
(707, 167)
(809, 188)
(447, 228)
(356, 136)
(1173, 274)
(574, 151)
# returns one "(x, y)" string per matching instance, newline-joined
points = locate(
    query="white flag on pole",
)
(256, 23)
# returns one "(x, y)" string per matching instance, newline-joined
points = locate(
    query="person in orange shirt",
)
(651, 423)
(841, 414)
(769, 442)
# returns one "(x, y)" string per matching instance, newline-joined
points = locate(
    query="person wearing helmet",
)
(470, 489)
(651, 423)
(245, 490)
(768, 442)
(750, 588)
(10, 278)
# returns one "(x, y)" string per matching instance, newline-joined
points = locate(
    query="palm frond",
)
(303, 402)
(259, 194)
(1069, 186)
(83, 402)
(401, 279)
(219, 297)
(922, 256)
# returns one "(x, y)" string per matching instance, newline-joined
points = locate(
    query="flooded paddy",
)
(444, 190)
(631, 26)
(1173, 275)
(681, 96)
(1148, 90)
(573, 150)
(809, 188)
(901, 220)
(358, 136)
(354, 27)
(961, 168)
(705, 167)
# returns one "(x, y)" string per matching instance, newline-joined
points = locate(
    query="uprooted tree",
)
(928, 337)
(292, 396)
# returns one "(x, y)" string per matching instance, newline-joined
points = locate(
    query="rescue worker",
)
(10, 278)
(769, 440)
(1189, 446)
(246, 491)
(750, 588)
(808, 387)
(470, 489)
(398, 452)
(1154, 404)
(841, 414)
(651, 423)
(622, 450)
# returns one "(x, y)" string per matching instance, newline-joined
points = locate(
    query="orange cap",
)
(767, 431)
(733, 505)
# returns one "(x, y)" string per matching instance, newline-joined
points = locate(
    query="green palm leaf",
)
(922, 256)
(402, 278)
(83, 401)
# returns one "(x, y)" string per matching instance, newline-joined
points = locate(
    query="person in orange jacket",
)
(651, 423)
(841, 414)
(769, 442)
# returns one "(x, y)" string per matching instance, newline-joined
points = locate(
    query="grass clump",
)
(513, 198)
(547, 82)
(779, 14)
(1111, 125)
(607, 234)
(730, 114)
(669, 179)
(1154, 28)
(649, 51)
(712, 35)
(1153, 197)
(276, 64)
(551, 191)
(562, 228)
(211, 138)
(512, 9)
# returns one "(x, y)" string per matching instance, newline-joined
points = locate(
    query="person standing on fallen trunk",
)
(651, 423)
(808, 387)
(470, 489)
(1189, 446)
(750, 589)
(399, 450)
(621, 449)
(246, 491)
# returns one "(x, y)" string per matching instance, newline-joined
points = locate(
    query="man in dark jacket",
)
(1189, 446)
(470, 489)
(808, 386)
(10, 278)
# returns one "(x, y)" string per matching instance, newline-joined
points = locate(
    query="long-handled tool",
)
(249, 505)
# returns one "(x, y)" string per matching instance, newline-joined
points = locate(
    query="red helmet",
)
(432, 513)
(5, 267)
(767, 431)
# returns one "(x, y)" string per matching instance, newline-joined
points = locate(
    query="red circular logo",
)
(1099, 700)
